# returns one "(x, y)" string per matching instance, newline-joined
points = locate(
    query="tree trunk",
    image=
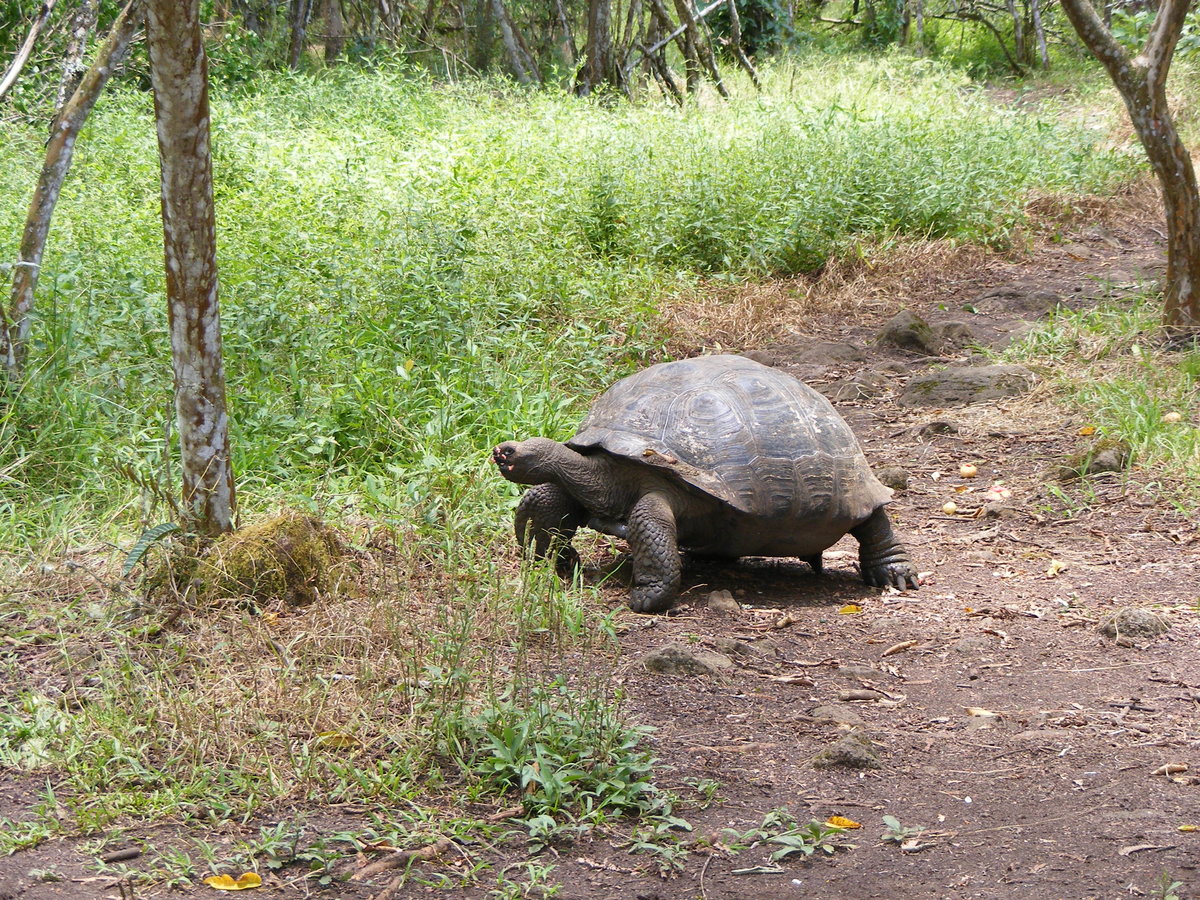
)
(598, 65)
(701, 47)
(516, 59)
(299, 32)
(735, 40)
(179, 75)
(1039, 31)
(567, 45)
(82, 24)
(14, 328)
(1142, 83)
(1018, 31)
(335, 31)
(18, 63)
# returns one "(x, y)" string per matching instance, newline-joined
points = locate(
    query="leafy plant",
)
(780, 827)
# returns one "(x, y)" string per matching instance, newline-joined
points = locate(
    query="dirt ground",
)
(1029, 746)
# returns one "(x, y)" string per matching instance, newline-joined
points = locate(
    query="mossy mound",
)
(291, 559)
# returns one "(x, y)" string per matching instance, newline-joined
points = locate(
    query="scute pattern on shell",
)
(752, 436)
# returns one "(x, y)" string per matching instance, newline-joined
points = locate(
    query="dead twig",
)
(398, 858)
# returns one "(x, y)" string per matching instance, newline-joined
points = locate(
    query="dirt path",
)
(1028, 746)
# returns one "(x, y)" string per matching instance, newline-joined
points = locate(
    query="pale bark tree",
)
(179, 76)
(1039, 31)
(335, 31)
(14, 327)
(83, 22)
(298, 21)
(1142, 83)
(598, 56)
(22, 57)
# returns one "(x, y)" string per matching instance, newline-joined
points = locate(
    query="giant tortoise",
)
(717, 455)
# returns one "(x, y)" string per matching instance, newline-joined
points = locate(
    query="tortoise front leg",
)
(654, 547)
(881, 556)
(546, 520)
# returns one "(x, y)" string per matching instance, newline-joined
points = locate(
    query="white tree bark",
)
(22, 57)
(179, 75)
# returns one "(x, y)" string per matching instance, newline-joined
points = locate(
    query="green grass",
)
(410, 273)
(1126, 387)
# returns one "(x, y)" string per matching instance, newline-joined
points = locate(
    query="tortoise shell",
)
(749, 435)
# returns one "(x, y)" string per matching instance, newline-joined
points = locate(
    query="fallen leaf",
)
(842, 822)
(1138, 848)
(899, 648)
(850, 609)
(1189, 828)
(228, 883)
(336, 740)
(982, 713)
(1087, 430)
(1171, 769)
(1056, 566)
(759, 870)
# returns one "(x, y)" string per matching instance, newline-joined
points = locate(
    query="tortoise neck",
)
(591, 478)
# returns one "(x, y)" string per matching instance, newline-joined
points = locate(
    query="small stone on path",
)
(963, 385)
(1134, 622)
(676, 660)
(853, 751)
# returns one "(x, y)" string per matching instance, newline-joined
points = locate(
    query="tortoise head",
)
(529, 462)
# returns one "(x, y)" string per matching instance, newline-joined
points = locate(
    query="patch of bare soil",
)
(1042, 757)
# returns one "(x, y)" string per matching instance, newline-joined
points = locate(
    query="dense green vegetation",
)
(411, 272)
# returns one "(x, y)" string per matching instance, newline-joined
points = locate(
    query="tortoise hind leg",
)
(881, 556)
(546, 520)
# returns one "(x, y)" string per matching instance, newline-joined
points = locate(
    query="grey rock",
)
(908, 331)
(766, 357)
(852, 751)
(838, 713)
(999, 509)
(953, 335)
(676, 660)
(722, 601)
(972, 643)
(1134, 622)
(937, 426)
(865, 385)
(893, 476)
(960, 386)
(734, 648)
(1104, 456)
(824, 353)
(1021, 298)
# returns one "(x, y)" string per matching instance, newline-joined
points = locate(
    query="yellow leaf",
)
(336, 740)
(1056, 566)
(229, 883)
(850, 609)
(982, 713)
(1187, 828)
(842, 822)
(1087, 430)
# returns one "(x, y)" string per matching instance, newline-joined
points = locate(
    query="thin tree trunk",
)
(14, 328)
(569, 51)
(82, 24)
(702, 48)
(1142, 83)
(655, 59)
(508, 33)
(22, 57)
(1018, 31)
(179, 75)
(598, 65)
(735, 39)
(1039, 31)
(299, 36)
(335, 31)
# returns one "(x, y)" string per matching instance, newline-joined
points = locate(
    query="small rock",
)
(908, 331)
(863, 386)
(954, 335)
(732, 647)
(1105, 455)
(852, 751)
(838, 713)
(1133, 622)
(766, 357)
(937, 426)
(999, 509)
(823, 353)
(676, 660)
(894, 477)
(857, 670)
(962, 385)
(722, 601)
(973, 643)
(1023, 298)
